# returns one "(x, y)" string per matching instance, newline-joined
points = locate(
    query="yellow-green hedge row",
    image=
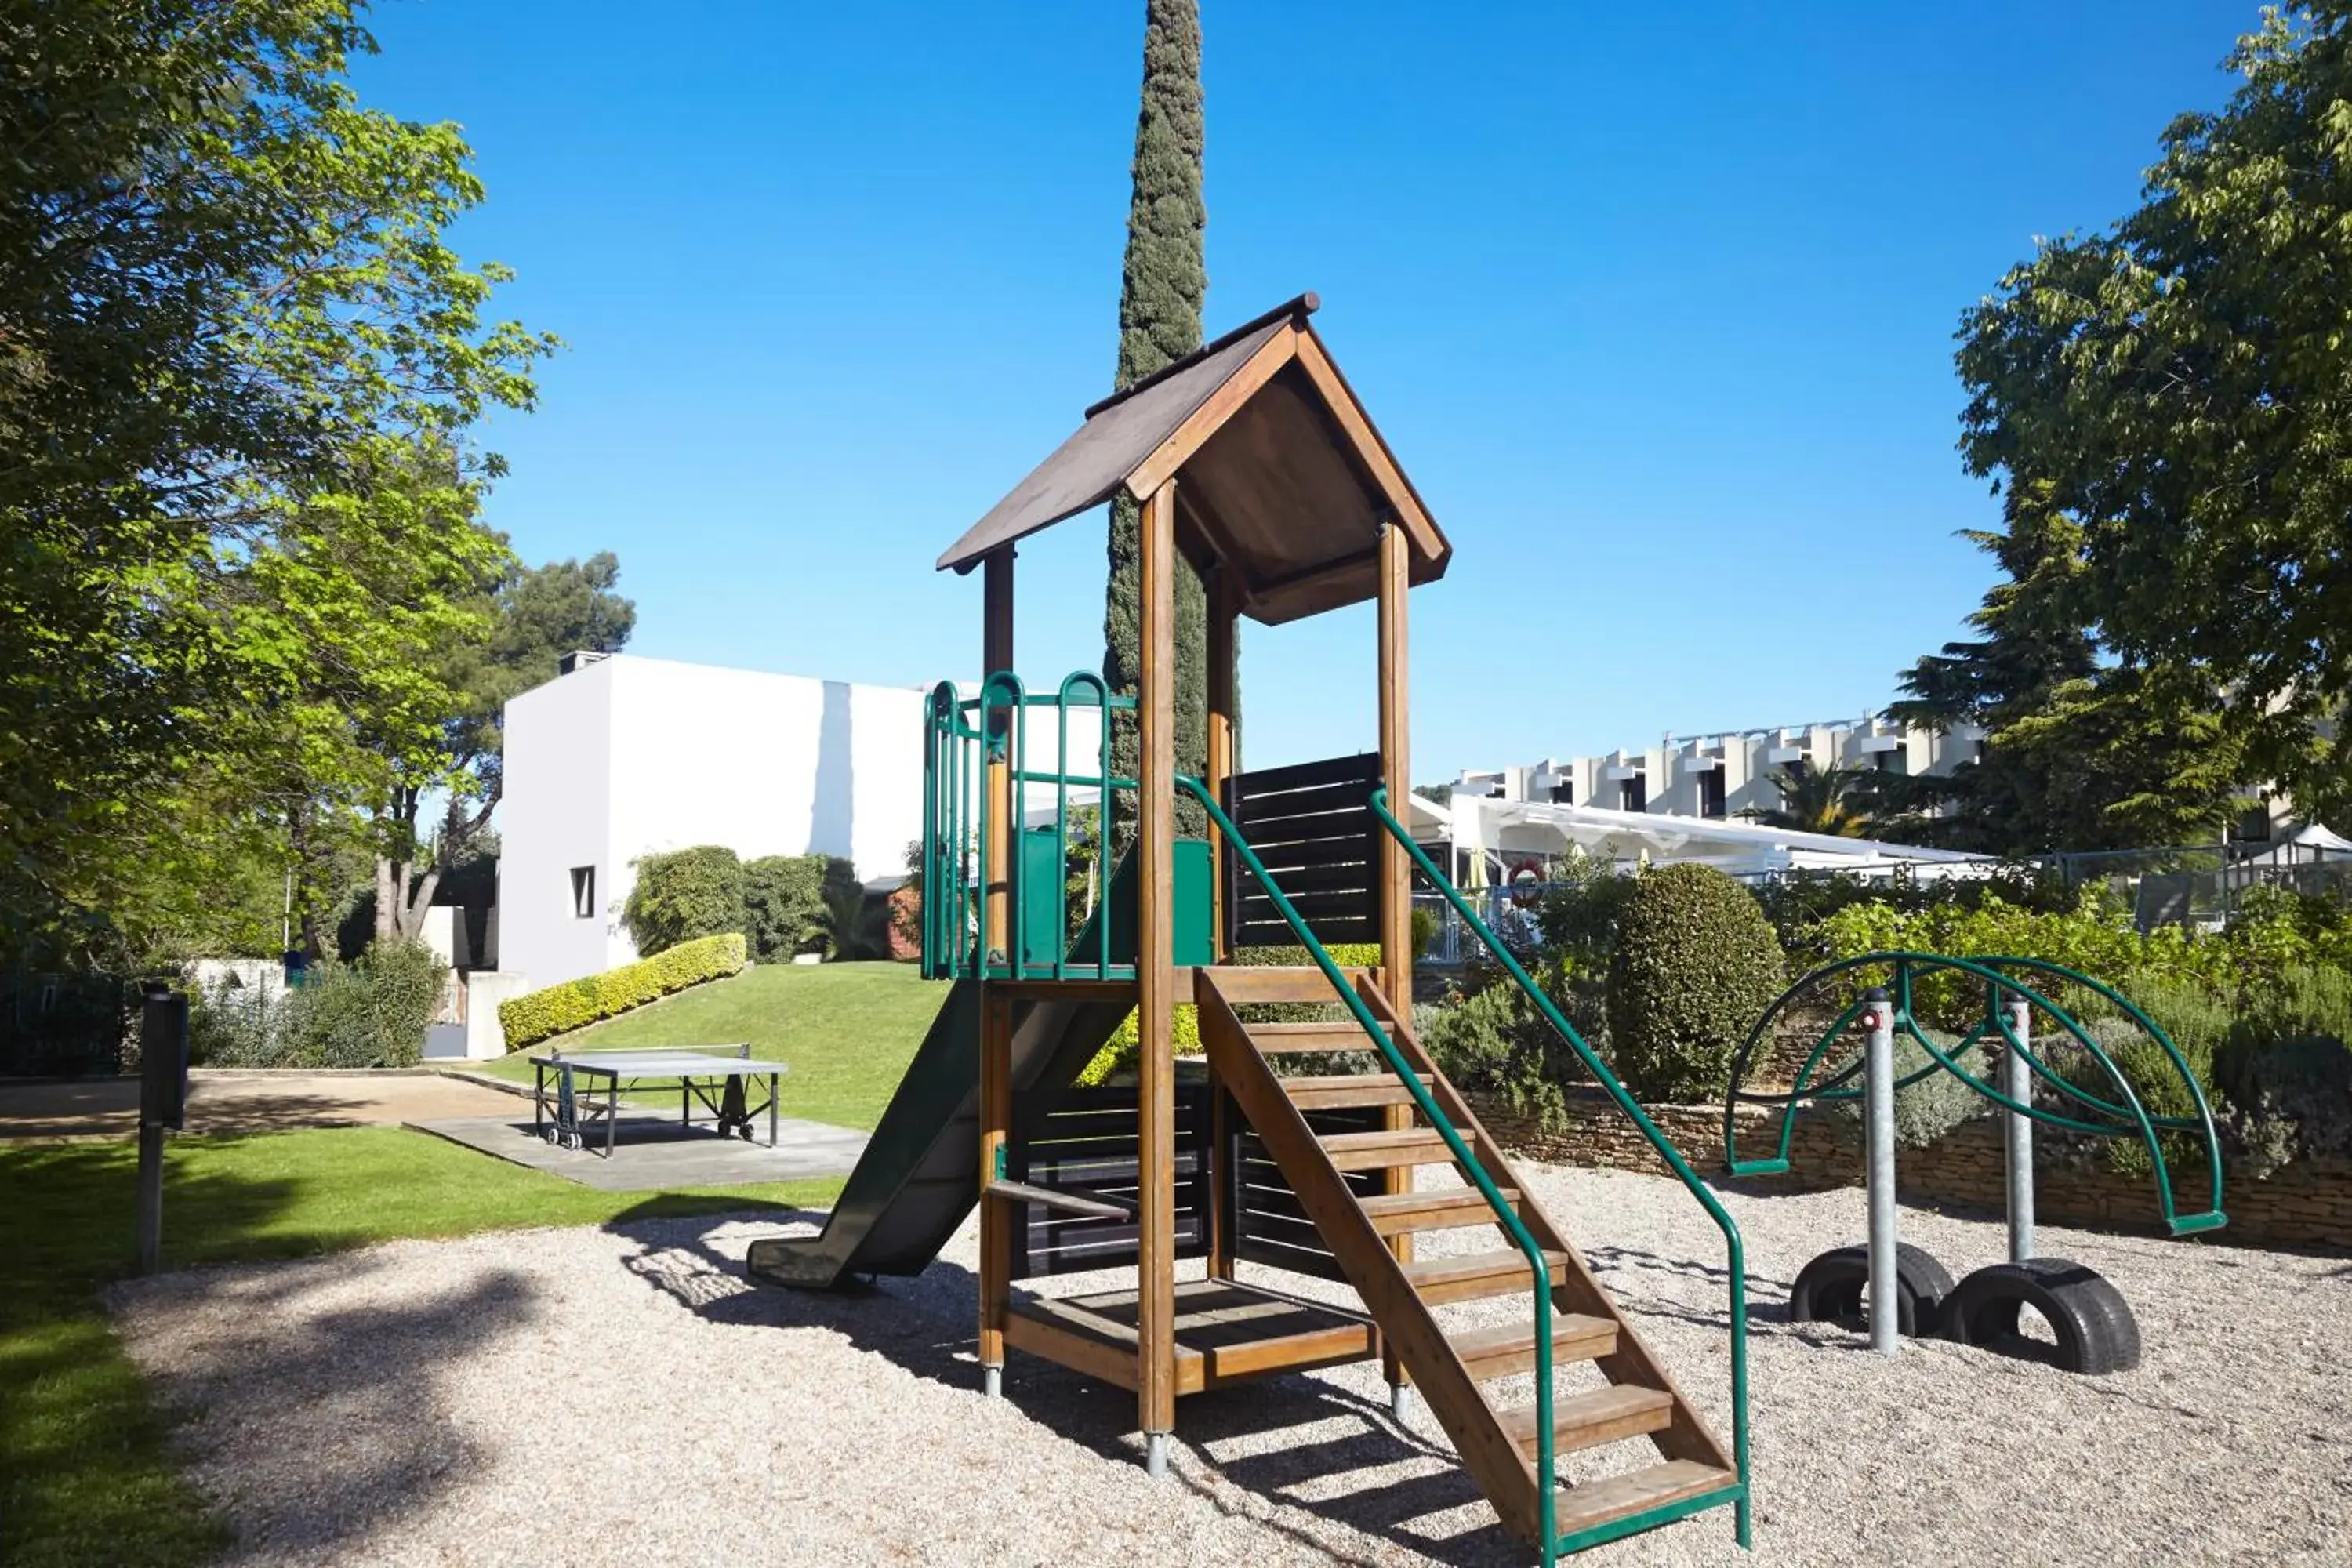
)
(537, 1014)
(1185, 1029)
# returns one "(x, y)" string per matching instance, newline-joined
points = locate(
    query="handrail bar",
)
(1737, 1260)
(1505, 1215)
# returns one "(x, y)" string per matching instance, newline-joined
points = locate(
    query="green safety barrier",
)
(2128, 1117)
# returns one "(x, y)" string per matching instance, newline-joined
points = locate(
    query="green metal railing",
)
(1736, 1263)
(2128, 1117)
(1547, 1481)
(963, 739)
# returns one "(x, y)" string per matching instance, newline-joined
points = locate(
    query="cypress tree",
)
(1164, 282)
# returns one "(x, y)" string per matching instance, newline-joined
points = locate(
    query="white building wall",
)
(555, 814)
(1749, 759)
(629, 757)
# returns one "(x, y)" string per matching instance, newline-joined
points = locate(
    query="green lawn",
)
(86, 1476)
(846, 1031)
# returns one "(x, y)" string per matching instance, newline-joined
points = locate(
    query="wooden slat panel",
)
(1305, 775)
(1312, 825)
(1596, 1417)
(1638, 1491)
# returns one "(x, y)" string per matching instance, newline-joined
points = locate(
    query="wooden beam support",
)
(1396, 871)
(1225, 710)
(996, 655)
(995, 1219)
(1155, 971)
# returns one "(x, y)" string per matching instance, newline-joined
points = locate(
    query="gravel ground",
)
(548, 1396)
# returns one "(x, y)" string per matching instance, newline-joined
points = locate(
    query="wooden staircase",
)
(1277, 1071)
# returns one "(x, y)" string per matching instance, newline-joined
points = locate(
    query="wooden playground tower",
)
(1253, 460)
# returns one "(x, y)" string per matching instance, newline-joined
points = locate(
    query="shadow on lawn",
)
(926, 1325)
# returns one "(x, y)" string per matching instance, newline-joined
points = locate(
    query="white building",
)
(1723, 773)
(622, 756)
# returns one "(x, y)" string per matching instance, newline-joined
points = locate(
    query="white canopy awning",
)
(1535, 827)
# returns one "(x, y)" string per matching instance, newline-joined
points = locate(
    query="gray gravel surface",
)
(569, 1396)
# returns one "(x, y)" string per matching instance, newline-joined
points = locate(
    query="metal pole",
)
(2017, 1082)
(151, 1195)
(1878, 1140)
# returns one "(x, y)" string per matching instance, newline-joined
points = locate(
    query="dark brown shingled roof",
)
(1280, 474)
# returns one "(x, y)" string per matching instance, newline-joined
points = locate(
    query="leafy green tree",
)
(2176, 387)
(1163, 284)
(2083, 750)
(522, 629)
(230, 330)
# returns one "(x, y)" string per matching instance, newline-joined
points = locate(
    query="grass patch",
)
(86, 1474)
(846, 1031)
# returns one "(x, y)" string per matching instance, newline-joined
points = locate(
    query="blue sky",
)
(1655, 305)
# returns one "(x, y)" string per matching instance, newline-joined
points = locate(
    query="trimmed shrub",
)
(1695, 964)
(786, 902)
(536, 1016)
(683, 895)
(371, 1014)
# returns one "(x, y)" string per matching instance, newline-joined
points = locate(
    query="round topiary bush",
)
(1696, 964)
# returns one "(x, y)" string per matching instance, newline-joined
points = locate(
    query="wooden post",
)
(996, 654)
(1396, 870)
(995, 1214)
(1224, 689)
(1155, 975)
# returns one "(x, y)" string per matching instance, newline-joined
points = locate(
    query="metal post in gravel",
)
(1878, 1142)
(2017, 1082)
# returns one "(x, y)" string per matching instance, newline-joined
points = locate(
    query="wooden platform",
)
(1226, 1332)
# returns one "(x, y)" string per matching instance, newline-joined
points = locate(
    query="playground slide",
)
(920, 1175)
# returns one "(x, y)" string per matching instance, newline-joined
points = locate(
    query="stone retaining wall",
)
(2309, 1203)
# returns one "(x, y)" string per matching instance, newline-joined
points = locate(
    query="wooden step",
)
(1277, 1040)
(1387, 1150)
(1447, 1209)
(1470, 1277)
(1245, 985)
(1587, 1420)
(1636, 1491)
(1345, 1089)
(1501, 1352)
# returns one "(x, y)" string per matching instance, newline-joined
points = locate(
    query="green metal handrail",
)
(1989, 971)
(1737, 1260)
(1505, 1215)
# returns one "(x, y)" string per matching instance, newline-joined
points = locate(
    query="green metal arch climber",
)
(2001, 988)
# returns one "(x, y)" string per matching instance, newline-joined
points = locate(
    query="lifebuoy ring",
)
(1524, 878)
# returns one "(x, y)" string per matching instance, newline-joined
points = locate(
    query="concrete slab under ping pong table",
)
(653, 1153)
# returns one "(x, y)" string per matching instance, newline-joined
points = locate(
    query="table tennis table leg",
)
(612, 1110)
(773, 1079)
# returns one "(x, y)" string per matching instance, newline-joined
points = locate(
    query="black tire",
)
(2093, 1325)
(1830, 1289)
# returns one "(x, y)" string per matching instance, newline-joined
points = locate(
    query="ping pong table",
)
(572, 1091)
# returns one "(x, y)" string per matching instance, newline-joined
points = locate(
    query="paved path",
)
(231, 1101)
(653, 1153)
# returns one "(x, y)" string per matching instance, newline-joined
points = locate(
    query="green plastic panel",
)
(1194, 915)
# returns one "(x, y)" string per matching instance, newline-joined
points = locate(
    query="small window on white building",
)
(1633, 793)
(1710, 791)
(583, 891)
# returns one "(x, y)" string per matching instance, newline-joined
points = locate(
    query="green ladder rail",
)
(1733, 1248)
(2129, 1118)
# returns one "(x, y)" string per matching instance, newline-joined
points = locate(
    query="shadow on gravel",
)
(1623, 1269)
(909, 1322)
(340, 1426)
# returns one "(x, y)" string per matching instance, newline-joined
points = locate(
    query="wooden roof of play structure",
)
(1281, 476)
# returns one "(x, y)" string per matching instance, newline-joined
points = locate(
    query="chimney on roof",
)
(578, 660)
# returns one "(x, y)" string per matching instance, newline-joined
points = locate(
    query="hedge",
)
(785, 902)
(1694, 964)
(1119, 1055)
(537, 1014)
(683, 895)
